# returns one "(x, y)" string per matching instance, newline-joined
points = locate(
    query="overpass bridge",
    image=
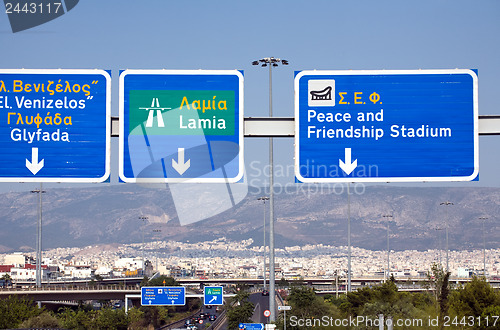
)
(74, 293)
(114, 289)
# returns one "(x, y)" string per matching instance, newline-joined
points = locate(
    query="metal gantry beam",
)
(285, 126)
(489, 125)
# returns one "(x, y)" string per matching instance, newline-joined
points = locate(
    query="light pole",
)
(446, 228)
(387, 216)
(336, 284)
(484, 247)
(143, 218)
(264, 199)
(157, 231)
(349, 270)
(39, 238)
(440, 245)
(271, 62)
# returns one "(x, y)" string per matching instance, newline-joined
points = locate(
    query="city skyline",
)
(239, 259)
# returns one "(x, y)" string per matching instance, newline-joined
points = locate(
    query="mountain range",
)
(125, 213)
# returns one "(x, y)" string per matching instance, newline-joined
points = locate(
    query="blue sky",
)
(323, 35)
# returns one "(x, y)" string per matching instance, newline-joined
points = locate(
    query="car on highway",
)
(265, 293)
(212, 318)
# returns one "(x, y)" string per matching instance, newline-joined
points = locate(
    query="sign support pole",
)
(272, 273)
(39, 237)
(38, 267)
(348, 239)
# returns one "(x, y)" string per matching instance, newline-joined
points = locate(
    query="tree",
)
(307, 305)
(474, 299)
(283, 283)
(436, 279)
(7, 280)
(145, 281)
(112, 319)
(239, 310)
(136, 318)
(193, 304)
(387, 300)
(384, 295)
(443, 295)
(14, 310)
(45, 320)
(71, 319)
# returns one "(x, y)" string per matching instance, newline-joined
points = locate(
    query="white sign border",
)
(387, 72)
(121, 142)
(164, 287)
(205, 296)
(107, 166)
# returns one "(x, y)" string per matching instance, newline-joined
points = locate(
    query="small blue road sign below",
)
(251, 326)
(386, 126)
(55, 125)
(213, 295)
(163, 296)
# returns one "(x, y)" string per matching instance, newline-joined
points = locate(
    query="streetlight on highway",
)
(446, 228)
(484, 247)
(440, 244)
(158, 231)
(271, 62)
(264, 199)
(39, 238)
(387, 216)
(143, 218)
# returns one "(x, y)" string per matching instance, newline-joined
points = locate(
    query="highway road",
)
(261, 304)
(200, 321)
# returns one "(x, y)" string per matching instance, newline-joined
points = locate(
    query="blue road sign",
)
(213, 295)
(382, 126)
(251, 326)
(55, 125)
(181, 126)
(163, 296)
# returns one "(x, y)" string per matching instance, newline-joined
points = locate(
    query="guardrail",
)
(73, 288)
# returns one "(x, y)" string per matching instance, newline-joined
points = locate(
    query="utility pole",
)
(484, 247)
(157, 231)
(349, 270)
(39, 238)
(264, 199)
(271, 62)
(446, 228)
(143, 218)
(388, 249)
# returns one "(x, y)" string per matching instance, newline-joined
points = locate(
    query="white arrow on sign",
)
(34, 166)
(348, 167)
(214, 298)
(173, 302)
(180, 166)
